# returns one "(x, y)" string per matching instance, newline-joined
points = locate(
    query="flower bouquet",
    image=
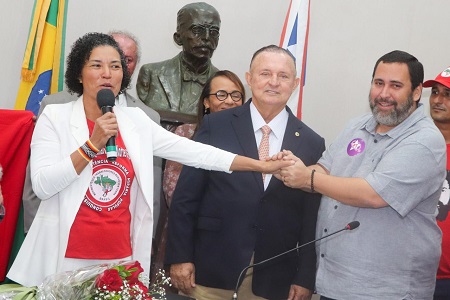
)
(123, 281)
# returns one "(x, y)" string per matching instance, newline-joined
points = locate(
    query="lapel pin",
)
(297, 134)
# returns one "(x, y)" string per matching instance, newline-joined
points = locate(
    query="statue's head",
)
(198, 26)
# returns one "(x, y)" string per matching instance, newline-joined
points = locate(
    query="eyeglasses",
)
(2, 212)
(222, 95)
(201, 30)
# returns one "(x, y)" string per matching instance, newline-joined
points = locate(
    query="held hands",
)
(274, 164)
(105, 127)
(296, 175)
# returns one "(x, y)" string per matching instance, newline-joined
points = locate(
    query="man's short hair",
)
(415, 67)
(272, 48)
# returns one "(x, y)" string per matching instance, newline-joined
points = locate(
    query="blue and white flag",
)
(294, 38)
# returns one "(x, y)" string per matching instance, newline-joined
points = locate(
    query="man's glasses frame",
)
(200, 30)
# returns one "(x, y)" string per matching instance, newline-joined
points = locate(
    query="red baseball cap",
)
(443, 78)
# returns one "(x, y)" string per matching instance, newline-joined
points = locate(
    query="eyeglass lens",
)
(223, 95)
(201, 30)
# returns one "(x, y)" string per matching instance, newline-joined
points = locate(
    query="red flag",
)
(16, 127)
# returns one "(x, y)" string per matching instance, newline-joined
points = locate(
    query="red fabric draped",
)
(16, 129)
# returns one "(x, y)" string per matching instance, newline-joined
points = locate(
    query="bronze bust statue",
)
(172, 87)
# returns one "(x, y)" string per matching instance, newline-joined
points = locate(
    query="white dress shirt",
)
(278, 128)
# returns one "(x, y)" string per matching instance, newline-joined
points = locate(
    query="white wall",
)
(346, 38)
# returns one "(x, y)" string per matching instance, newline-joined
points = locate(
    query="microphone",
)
(349, 226)
(106, 101)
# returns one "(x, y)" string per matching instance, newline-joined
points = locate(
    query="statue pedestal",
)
(170, 120)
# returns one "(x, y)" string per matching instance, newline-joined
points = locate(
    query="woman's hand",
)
(272, 166)
(105, 127)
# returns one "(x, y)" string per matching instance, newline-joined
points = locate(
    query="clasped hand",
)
(295, 175)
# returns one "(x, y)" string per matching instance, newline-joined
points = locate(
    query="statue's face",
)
(199, 33)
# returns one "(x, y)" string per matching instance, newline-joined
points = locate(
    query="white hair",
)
(130, 36)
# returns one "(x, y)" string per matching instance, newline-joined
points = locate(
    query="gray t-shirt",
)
(395, 252)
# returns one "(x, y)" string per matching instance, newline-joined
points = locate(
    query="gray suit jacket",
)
(31, 201)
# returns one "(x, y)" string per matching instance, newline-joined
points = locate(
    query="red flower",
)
(135, 269)
(109, 280)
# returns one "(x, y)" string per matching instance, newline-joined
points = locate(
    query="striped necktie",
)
(263, 150)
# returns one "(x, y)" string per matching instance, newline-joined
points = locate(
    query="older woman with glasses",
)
(223, 90)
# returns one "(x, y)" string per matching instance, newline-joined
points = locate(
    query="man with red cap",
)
(440, 113)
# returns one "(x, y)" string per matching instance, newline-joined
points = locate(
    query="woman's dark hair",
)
(80, 53)
(207, 90)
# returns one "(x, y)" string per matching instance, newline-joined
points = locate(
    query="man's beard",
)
(394, 117)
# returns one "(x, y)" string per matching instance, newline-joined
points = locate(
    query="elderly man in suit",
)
(130, 46)
(172, 86)
(219, 224)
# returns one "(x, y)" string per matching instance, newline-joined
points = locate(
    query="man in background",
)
(172, 87)
(220, 224)
(129, 44)
(385, 170)
(440, 113)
